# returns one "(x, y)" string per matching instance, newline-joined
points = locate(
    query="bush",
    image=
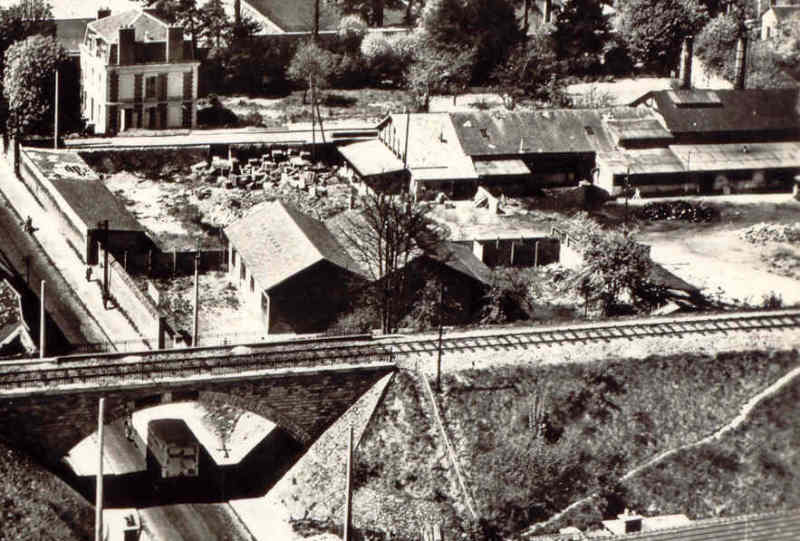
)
(351, 32)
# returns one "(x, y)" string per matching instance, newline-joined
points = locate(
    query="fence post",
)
(536, 254)
(174, 261)
(150, 263)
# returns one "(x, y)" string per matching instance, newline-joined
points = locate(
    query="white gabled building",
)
(137, 71)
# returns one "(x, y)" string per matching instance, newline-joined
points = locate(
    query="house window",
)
(150, 88)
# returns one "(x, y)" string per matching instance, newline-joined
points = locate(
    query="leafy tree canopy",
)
(311, 65)
(655, 29)
(28, 80)
(484, 30)
(716, 43)
(581, 32)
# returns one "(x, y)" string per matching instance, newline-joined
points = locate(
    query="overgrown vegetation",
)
(550, 435)
(35, 504)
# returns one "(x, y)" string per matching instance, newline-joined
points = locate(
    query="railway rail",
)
(630, 330)
(150, 366)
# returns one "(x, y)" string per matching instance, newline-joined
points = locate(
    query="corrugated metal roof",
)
(738, 156)
(742, 111)
(277, 242)
(489, 168)
(371, 158)
(82, 189)
(644, 161)
(694, 97)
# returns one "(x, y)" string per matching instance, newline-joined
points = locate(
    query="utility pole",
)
(441, 328)
(348, 501)
(316, 20)
(313, 133)
(55, 120)
(41, 321)
(103, 225)
(196, 298)
(98, 500)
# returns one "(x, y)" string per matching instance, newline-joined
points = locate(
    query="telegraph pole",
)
(348, 502)
(41, 321)
(98, 501)
(196, 299)
(55, 120)
(441, 327)
(103, 225)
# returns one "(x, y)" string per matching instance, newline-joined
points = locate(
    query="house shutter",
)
(186, 115)
(162, 87)
(112, 118)
(113, 86)
(162, 115)
(138, 84)
(188, 83)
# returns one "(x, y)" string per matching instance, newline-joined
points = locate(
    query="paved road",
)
(181, 522)
(77, 299)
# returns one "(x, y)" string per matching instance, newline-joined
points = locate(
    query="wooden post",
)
(441, 329)
(196, 299)
(536, 254)
(98, 502)
(125, 260)
(513, 244)
(174, 261)
(105, 263)
(55, 119)
(348, 502)
(149, 263)
(405, 151)
(41, 321)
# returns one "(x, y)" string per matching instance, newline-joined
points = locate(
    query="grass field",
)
(553, 434)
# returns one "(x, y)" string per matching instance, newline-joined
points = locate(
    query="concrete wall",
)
(48, 425)
(136, 304)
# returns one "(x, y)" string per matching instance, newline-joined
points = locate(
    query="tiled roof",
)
(553, 131)
(298, 15)
(733, 110)
(460, 257)
(143, 21)
(85, 193)
(781, 526)
(277, 242)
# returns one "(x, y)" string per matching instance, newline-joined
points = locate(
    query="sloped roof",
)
(783, 13)
(781, 526)
(83, 190)
(80, 9)
(371, 158)
(277, 242)
(538, 132)
(298, 15)
(70, 32)
(143, 21)
(460, 257)
(738, 111)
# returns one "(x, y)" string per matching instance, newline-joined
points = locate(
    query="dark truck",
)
(172, 449)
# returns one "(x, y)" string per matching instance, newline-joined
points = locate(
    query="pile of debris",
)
(677, 210)
(763, 232)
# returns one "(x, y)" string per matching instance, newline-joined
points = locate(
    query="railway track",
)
(150, 366)
(632, 330)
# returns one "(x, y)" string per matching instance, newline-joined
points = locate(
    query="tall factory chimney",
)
(685, 75)
(741, 63)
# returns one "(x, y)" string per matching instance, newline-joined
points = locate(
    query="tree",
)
(615, 266)
(351, 31)
(655, 29)
(28, 81)
(370, 10)
(581, 33)
(214, 23)
(438, 71)
(716, 43)
(483, 30)
(383, 238)
(531, 72)
(311, 65)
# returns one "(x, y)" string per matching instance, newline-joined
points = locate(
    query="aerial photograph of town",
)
(411, 270)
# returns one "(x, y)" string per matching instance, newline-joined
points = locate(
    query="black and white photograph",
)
(400, 270)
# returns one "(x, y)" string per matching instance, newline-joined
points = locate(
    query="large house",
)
(286, 263)
(137, 71)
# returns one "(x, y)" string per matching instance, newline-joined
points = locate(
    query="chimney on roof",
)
(102, 13)
(126, 36)
(174, 44)
(685, 76)
(741, 63)
(632, 521)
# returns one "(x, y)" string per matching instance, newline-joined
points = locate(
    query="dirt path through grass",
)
(744, 414)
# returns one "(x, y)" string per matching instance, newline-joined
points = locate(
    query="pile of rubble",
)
(766, 232)
(677, 210)
(226, 188)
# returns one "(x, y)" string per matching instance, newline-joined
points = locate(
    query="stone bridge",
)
(48, 422)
